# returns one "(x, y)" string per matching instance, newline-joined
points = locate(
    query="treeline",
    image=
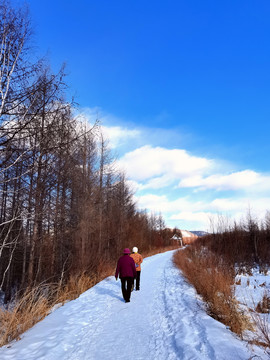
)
(245, 243)
(64, 207)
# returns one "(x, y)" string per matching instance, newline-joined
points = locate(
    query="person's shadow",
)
(110, 292)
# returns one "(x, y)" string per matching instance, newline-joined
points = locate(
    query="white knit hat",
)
(135, 249)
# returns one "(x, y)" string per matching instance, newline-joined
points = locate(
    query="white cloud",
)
(258, 205)
(118, 135)
(161, 203)
(157, 173)
(242, 180)
(202, 217)
(147, 162)
(158, 182)
(153, 202)
(133, 185)
(224, 205)
(202, 214)
(157, 168)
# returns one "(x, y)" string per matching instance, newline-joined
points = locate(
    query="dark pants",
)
(138, 278)
(126, 283)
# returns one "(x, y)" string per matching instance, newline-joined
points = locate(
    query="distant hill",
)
(200, 233)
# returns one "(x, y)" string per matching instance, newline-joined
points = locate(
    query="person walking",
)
(127, 272)
(138, 260)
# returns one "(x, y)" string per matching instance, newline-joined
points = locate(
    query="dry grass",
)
(213, 280)
(75, 286)
(27, 310)
(34, 304)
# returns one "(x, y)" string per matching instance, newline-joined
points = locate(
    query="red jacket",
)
(125, 267)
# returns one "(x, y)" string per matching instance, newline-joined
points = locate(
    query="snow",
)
(252, 287)
(249, 291)
(165, 320)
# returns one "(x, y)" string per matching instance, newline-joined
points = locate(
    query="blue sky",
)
(182, 89)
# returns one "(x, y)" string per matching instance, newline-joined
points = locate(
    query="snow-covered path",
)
(162, 321)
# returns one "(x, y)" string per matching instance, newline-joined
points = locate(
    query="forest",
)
(65, 208)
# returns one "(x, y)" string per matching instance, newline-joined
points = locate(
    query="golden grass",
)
(36, 303)
(27, 310)
(75, 286)
(213, 281)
